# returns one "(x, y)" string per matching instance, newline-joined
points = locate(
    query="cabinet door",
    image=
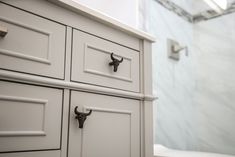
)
(112, 129)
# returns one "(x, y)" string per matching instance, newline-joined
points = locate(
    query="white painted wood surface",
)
(54, 153)
(91, 58)
(30, 117)
(121, 10)
(32, 45)
(77, 20)
(147, 110)
(96, 15)
(8, 75)
(113, 128)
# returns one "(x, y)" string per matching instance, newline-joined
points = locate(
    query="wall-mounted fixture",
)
(174, 49)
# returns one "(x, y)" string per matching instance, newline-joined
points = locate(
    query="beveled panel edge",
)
(21, 132)
(107, 110)
(99, 109)
(25, 26)
(24, 56)
(23, 99)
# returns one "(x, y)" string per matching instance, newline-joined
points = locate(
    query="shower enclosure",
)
(195, 110)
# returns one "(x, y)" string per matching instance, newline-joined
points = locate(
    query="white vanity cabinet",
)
(73, 83)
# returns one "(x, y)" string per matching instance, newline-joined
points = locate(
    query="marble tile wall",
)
(173, 80)
(214, 93)
(196, 105)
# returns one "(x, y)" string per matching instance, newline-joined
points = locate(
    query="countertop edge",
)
(105, 19)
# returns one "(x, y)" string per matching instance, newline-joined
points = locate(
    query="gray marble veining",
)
(196, 105)
(194, 18)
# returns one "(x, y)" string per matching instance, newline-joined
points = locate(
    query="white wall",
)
(125, 11)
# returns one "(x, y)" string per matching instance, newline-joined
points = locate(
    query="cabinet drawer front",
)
(32, 44)
(90, 63)
(30, 117)
(112, 129)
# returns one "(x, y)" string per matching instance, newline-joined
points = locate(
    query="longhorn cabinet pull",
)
(3, 31)
(81, 117)
(115, 63)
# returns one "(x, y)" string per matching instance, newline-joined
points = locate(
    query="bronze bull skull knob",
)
(115, 63)
(81, 117)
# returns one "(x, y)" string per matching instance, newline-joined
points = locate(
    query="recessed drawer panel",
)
(31, 44)
(111, 130)
(30, 117)
(90, 63)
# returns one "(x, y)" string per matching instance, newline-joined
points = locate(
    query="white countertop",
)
(105, 19)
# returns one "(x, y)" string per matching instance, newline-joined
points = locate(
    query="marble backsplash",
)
(196, 105)
(214, 94)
